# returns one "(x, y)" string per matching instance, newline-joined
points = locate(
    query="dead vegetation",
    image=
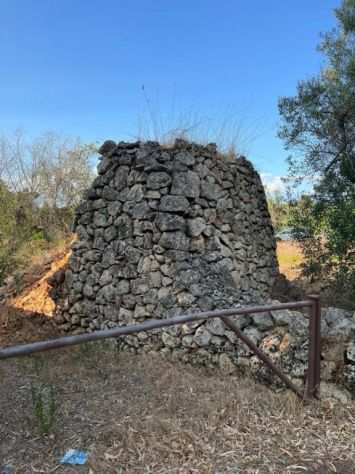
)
(143, 414)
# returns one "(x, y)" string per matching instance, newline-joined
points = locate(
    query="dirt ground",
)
(27, 315)
(143, 414)
(19, 326)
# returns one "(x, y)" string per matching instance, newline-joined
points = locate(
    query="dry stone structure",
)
(163, 231)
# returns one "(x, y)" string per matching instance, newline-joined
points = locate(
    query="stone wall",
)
(165, 230)
(283, 336)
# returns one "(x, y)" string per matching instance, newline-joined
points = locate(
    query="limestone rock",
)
(188, 341)
(125, 316)
(124, 227)
(196, 226)
(158, 180)
(107, 147)
(185, 158)
(335, 315)
(100, 220)
(167, 222)
(282, 317)
(114, 208)
(178, 204)
(174, 240)
(211, 190)
(123, 287)
(333, 391)
(216, 326)
(170, 341)
(349, 376)
(202, 337)
(344, 327)
(226, 364)
(186, 184)
(263, 321)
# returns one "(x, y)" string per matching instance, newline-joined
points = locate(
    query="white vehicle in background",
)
(284, 234)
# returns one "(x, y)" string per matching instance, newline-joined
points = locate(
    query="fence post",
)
(314, 351)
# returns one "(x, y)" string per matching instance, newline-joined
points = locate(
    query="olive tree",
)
(318, 127)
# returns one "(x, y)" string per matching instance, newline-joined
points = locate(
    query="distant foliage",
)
(279, 209)
(41, 182)
(318, 126)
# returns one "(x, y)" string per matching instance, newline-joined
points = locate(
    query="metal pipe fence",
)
(312, 303)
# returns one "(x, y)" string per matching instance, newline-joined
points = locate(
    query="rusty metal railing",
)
(312, 375)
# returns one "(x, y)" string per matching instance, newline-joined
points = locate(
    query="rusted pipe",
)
(254, 348)
(26, 349)
(314, 351)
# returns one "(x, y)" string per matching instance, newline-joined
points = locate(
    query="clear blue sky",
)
(77, 67)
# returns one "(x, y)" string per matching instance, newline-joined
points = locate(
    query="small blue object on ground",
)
(74, 456)
(5, 470)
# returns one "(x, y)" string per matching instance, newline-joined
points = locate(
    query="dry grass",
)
(290, 257)
(143, 414)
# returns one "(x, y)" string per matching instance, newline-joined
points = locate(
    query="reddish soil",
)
(18, 326)
(27, 316)
(35, 298)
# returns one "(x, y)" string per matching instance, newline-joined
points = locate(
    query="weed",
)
(39, 364)
(120, 470)
(44, 406)
(234, 134)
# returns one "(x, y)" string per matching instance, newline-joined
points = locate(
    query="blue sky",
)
(78, 67)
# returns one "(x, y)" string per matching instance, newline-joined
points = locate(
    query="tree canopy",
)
(318, 127)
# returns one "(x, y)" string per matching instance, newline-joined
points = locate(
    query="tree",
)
(318, 126)
(57, 169)
(279, 210)
(319, 121)
(50, 171)
(41, 182)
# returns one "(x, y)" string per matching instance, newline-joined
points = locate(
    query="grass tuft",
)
(44, 406)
